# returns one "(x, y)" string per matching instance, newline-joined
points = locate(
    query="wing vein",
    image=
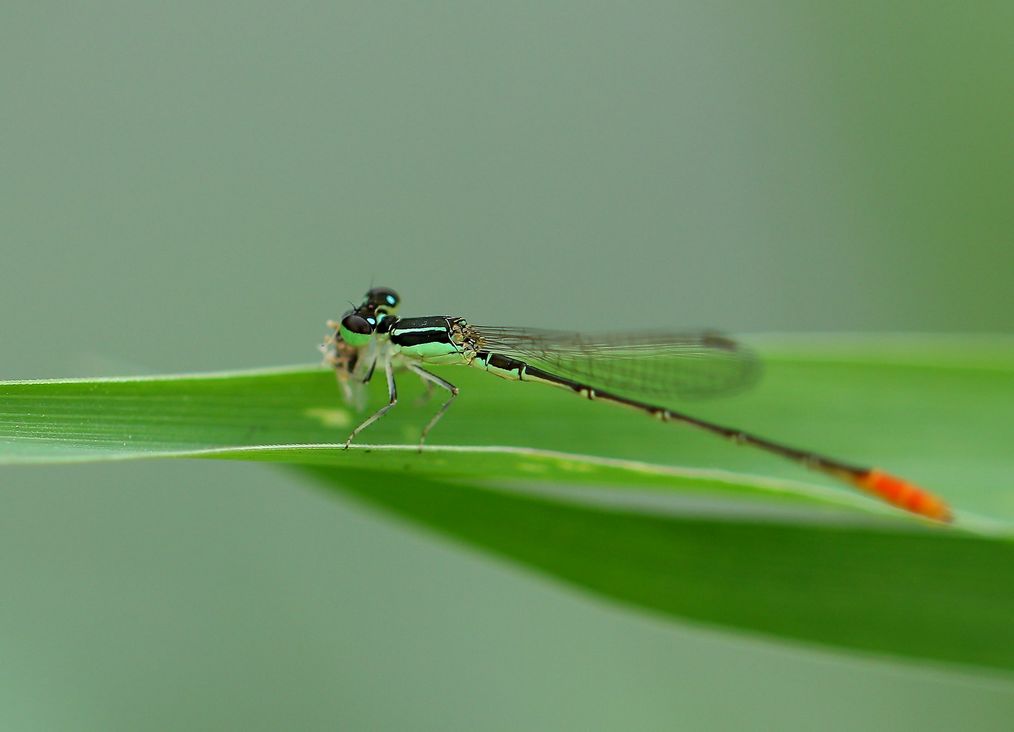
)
(655, 365)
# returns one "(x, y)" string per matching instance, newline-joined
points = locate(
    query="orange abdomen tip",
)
(903, 494)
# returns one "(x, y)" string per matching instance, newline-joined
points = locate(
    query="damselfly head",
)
(356, 329)
(382, 300)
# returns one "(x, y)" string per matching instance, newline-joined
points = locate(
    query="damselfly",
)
(633, 370)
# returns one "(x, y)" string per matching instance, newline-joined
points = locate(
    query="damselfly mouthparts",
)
(635, 370)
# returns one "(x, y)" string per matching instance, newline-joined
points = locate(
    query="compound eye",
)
(383, 297)
(355, 330)
(357, 324)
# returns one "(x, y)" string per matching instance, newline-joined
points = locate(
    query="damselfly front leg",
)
(392, 393)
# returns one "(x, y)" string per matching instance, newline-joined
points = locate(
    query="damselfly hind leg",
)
(430, 379)
(392, 393)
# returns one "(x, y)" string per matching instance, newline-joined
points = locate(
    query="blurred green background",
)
(198, 186)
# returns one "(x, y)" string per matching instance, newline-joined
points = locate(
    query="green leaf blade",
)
(789, 554)
(928, 595)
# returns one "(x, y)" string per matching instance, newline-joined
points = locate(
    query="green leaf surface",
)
(932, 595)
(652, 515)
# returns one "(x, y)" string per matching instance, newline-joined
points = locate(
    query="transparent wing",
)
(655, 365)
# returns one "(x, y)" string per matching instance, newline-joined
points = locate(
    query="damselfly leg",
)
(430, 379)
(392, 393)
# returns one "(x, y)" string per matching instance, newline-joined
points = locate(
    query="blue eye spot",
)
(371, 321)
(390, 299)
